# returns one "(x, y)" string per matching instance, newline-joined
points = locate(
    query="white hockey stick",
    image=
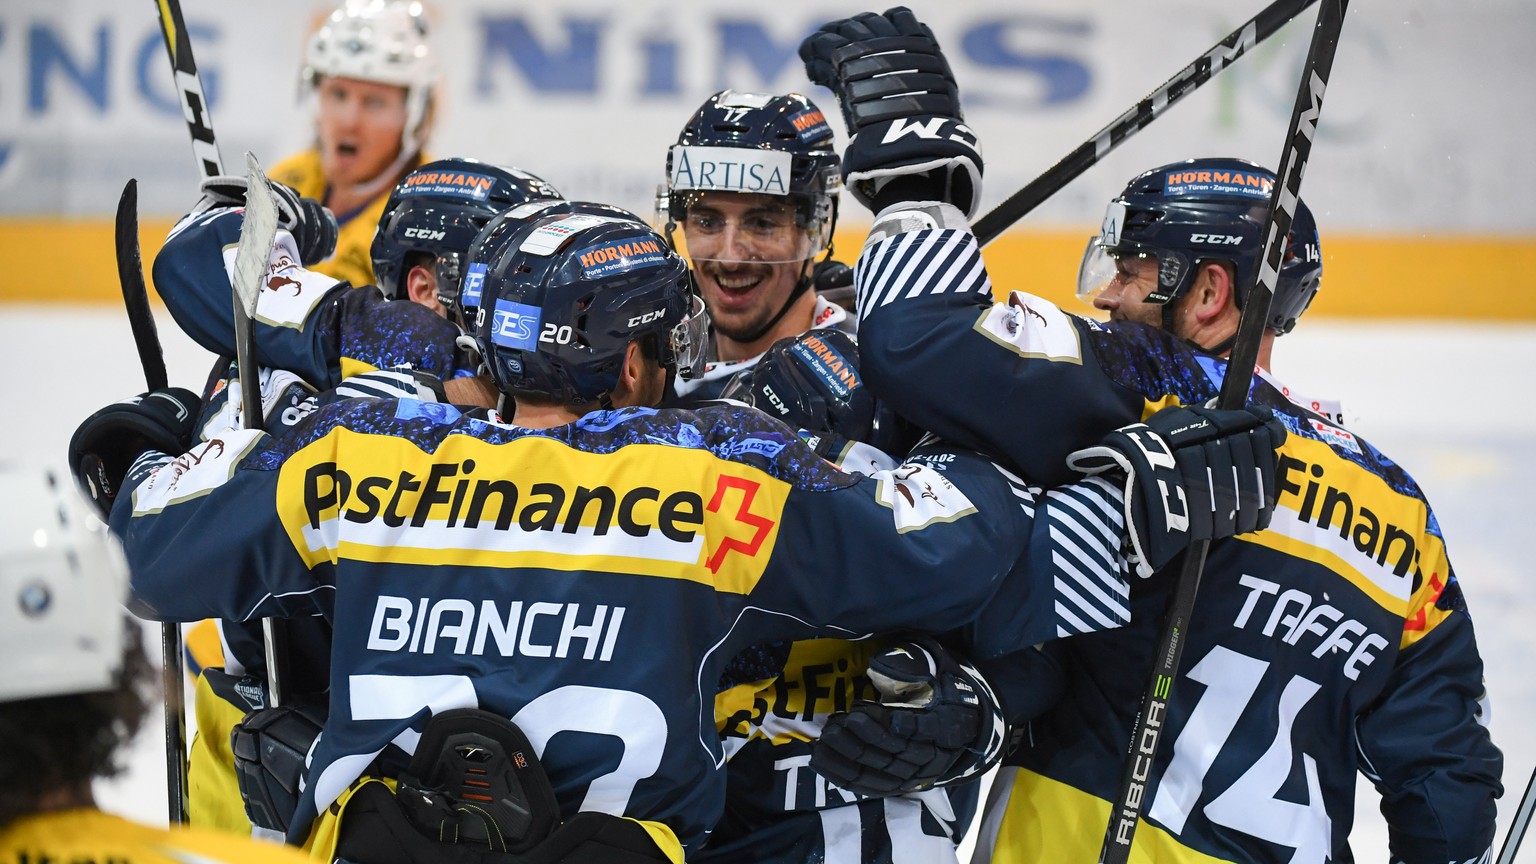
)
(258, 234)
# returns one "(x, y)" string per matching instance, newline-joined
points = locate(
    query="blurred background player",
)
(74, 689)
(371, 72)
(752, 182)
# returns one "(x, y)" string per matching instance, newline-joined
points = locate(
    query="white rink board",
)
(1427, 122)
(1438, 398)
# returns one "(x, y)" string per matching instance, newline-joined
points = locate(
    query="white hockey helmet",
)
(384, 41)
(63, 581)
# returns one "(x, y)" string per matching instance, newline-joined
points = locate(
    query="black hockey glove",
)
(902, 107)
(270, 746)
(938, 722)
(833, 280)
(107, 443)
(312, 225)
(1191, 473)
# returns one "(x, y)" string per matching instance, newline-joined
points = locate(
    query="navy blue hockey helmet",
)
(812, 382)
(437, 210)
(563, 295)
(1198, 211)
(757, 143)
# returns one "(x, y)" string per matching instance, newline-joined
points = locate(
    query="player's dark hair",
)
(62, 743)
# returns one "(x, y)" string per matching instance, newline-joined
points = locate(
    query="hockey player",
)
(588, 571)
(1337, 641)
(752, 182)
(72, 690)
(319, 340)
(371, 71)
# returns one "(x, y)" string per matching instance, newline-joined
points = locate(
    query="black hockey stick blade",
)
(1146, 734)
(189, 89)
(130, 275)
(1184, 82)
(1518, 827)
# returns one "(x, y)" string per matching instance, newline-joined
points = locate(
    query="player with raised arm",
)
(73, 690)
(751, 192)
(1336, 641)
(588, 569)
(371, 72)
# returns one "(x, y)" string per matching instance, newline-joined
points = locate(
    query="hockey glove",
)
(1191, 473)
(107, 443)
(902, 107)
(270, 746)
(312, 225)
(938, 722)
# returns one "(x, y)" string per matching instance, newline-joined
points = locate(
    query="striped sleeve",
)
(920, 262)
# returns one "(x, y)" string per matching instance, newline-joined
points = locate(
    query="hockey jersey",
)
(87, 836)
(711, 382)
(589, 581)
(353, 261)
(1336, 641)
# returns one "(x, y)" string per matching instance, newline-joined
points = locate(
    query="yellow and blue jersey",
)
(589, 581)
(1333, 643)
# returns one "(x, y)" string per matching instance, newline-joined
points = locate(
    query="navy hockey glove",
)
(312, 225)
(107, 443)
(938, 722)
(270, 746)
(1191, 473)
(902, 108)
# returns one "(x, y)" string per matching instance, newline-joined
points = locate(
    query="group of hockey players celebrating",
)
(594, 539)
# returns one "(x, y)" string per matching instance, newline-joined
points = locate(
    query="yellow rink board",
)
(1365, 276)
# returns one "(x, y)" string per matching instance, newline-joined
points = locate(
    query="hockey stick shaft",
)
(130, 276)
(1146, 735)
(258, 234)
(189, 88)
(1138, 117)
(1518, 827)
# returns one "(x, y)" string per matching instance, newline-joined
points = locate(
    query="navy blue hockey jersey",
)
(1336, 641)
(589, 581)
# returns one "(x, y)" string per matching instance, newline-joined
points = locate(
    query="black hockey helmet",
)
(782, 146)
(437, 210)
(1198, 211)
(563, 295)
(812, 382)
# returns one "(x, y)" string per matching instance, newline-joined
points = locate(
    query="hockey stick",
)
(258, 234)
(1141, 751)
(1184, 82)
(1522, 822)
(1138, 117)
(194, 105)
(141, 319)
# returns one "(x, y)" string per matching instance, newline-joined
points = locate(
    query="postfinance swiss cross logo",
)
(760, 525)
